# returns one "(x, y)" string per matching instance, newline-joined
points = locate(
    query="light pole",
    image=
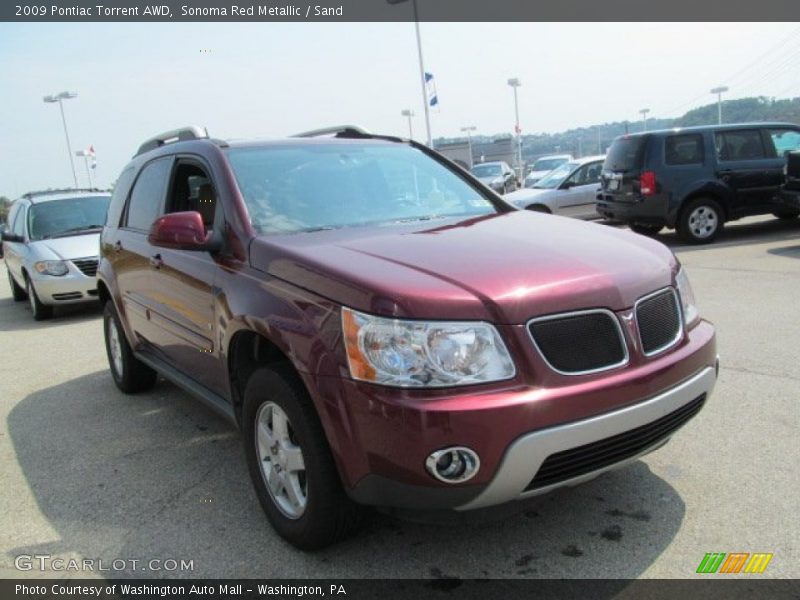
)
(408, 113)
(468, 130)
(644, 112)
(421, 69)
(718, 91)
(59, 98)
(515, 83)
(86, 155)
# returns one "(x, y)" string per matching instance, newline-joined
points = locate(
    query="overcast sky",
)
(266, 80)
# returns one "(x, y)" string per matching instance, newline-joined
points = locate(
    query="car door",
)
(780, 142)
(746, 166)
(130, 251)
(577, 198)
(182, 301)
(14, 251)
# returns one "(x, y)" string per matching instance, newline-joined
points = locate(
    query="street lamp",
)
(421, 69)
(86, 156)
(718, 91)
(644, 112)
(468, 130)
(408, 113)
(59, 98)
(515, 83)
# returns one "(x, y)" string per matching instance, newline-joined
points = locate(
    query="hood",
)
(67, 248)
(536, 174)
(503, 268)
(524, 196)
(488, 180)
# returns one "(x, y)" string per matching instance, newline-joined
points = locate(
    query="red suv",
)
(385, 330)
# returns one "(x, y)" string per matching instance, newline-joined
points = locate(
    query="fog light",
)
(453, 465)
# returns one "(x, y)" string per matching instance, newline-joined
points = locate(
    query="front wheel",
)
(130, 374)
(290, 463)
(17, 291)
(40, 310)
(700, 221)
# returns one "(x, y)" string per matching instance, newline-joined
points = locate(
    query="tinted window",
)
(625, 153)
(121, 189)
(192, 190)
(740, 145)
(322, 186)
(587, 174)
(686, 149)
(68, 216)
(147, 198)
(784, 140)
(555, 177)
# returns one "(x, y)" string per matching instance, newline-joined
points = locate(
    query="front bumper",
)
(72, 288)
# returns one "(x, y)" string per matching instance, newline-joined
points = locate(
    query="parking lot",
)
(91, 473)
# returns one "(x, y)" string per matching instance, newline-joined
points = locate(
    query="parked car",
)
(497, 175)
(51, 248)
(790, 193)
(568, 190)
(542, 166)
(387, 331)
(696, 179)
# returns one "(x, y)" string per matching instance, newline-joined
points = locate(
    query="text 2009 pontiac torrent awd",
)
(387, 331)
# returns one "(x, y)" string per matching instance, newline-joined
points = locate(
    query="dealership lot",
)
(91, 473)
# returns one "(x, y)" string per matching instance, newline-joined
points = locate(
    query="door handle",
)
(117, 246)
(156, 261)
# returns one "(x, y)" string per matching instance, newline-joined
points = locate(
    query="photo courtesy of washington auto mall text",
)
(166, 590)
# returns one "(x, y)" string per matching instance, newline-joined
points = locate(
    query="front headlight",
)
(423, 353)
(690, 312)
(56, 268)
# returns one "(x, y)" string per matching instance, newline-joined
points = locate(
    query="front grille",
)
(580, 343)
(88, 266)
(603, 453)
(659, 320)
(67, 296)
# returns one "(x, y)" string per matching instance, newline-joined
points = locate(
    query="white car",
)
(543, 165)
(52, 245)
(569, 190)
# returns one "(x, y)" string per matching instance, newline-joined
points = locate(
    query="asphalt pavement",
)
(89, 473)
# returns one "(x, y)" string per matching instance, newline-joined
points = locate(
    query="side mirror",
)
(566, 185)
(7, 236)
(181, 231)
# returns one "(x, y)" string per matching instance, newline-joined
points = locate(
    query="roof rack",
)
(183, 134)
(337, 131)
(30, 195)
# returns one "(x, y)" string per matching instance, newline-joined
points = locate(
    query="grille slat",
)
(579, 343)
(603, 453)
(659, 320)
(87, 266)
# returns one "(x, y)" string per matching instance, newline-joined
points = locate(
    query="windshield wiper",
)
(67, 232)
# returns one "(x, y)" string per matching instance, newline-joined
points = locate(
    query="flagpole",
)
(422, 77)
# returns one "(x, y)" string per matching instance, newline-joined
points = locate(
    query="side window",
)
(146, 201)
(18, 226)
(746, 144)
(192, 190)
(588, 173)
(121, 189)
(686, 149)
(784, 140)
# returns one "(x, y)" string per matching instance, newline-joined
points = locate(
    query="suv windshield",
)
(554, 178)
(486, 170)
(70, 216)
(625, 154)
(325, 186)
(548, 164)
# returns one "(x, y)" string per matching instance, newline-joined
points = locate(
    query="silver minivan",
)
(51, 247)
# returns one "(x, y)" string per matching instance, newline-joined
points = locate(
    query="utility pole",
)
(468, 130)
(644, 112)
(408, 113)
(718, 91)
(515, 83)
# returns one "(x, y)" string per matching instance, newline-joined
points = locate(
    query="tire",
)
(41, 312)
(789, 215)
(17, 291)
(539, 208)
(700, 221)
(306, 505)
(644, 229)
(130, 374)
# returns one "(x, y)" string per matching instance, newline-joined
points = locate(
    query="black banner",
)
(397, 10)
(709, 588)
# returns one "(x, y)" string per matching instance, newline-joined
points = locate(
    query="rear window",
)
(625, 154)
(685, 149)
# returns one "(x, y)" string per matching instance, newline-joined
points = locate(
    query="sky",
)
(135, 80)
